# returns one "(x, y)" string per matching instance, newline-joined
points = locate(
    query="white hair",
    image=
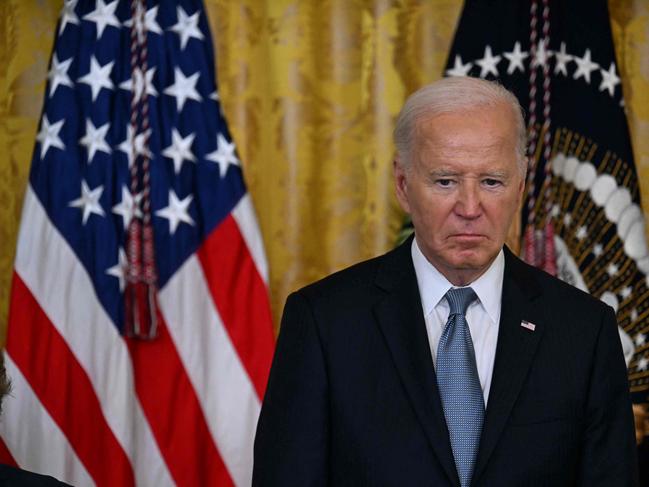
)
(452, 95)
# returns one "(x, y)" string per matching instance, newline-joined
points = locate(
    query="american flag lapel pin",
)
(527, 325)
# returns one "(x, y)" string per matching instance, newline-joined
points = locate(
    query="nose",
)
(468, 204)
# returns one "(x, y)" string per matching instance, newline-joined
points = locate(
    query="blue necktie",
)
(459, 385)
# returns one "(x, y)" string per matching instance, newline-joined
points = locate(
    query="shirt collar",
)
(433, 285)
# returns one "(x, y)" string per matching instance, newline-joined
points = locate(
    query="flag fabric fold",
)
(93, 405)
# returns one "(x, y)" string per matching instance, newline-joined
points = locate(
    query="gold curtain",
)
(310, 89)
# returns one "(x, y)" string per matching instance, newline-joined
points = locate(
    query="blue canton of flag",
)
(80, 169)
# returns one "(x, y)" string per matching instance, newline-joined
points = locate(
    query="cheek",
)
(502, 212)
(434, 221)
(429, 208)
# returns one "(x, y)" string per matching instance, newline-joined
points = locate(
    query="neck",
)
(462, 277)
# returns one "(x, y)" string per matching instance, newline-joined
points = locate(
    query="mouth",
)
(467, 237)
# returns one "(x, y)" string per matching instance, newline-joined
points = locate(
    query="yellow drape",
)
(310, 89)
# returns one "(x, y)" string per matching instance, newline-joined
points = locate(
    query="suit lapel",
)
(514, 353)
(401, 321)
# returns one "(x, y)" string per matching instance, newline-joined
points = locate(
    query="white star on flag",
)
(488, 63)
(119, 269)
(612, 269)
(103, 15)
(626, 292)
(49, 135)
(128, 207)
(542, 54)
(223, 155)
(215, 96)
(58, 74)
(598, 250)
(609, 80)
(640, 339)
(562, 59)
(176, 211)
(186, 27)
(180, 149)
(68, 16)
(516, 58)
(130, 141)
(140, 81)
(642, 363)
(95, 139)
(581, 233)
(98, 77)
(556, 211)
(584, 66)
(458, 68)
(88, 201)
(567, 219)
(183, 88)
(150, 23)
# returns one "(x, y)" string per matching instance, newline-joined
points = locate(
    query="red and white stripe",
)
(54, 454)
(94, 408)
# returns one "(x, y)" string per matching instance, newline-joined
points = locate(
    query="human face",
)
(462, 188)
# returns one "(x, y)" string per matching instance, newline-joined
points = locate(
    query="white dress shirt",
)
(483, 315)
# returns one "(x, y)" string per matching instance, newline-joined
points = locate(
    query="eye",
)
(444, 182)
(492, 183)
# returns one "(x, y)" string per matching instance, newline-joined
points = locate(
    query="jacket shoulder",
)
(552, 288)
(361, 278)
(352, 278)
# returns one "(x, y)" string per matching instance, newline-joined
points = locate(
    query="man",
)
(15, 477)
(448, 361)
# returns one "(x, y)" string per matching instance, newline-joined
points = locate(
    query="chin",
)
(471, 259)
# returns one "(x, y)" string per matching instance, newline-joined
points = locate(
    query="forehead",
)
(473, 130)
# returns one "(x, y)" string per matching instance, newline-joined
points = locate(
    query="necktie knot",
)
(459, 299)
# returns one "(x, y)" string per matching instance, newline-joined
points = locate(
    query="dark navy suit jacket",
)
(15, 477)
(352, 396)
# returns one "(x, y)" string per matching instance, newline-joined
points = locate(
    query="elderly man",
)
(448, 361)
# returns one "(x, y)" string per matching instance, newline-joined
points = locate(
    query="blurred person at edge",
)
(15, 477)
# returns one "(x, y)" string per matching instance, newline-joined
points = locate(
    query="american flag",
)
(92, 405)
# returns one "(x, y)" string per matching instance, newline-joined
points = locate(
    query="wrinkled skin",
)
(462, 188)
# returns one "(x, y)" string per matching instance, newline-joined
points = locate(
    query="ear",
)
(401, 184)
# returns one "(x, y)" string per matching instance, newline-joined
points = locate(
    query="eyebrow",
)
(443, 173)
(496, 174)
(447, 173)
